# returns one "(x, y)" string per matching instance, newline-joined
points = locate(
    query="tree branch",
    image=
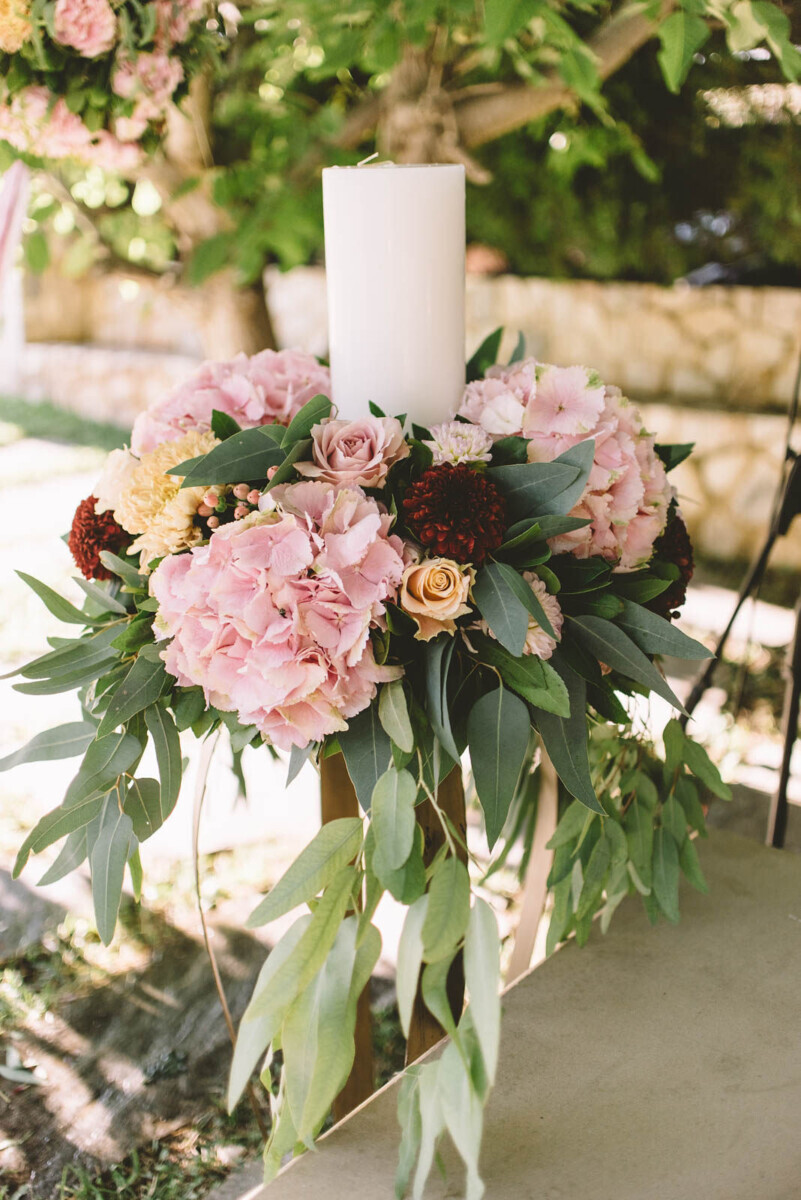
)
(483, 118)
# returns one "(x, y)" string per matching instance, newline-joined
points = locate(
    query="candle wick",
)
(367, 160)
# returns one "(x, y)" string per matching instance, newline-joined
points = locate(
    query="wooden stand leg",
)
(535, 888)
(338, 799)
(424, 1030)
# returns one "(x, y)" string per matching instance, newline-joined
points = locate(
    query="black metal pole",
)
(777, 821)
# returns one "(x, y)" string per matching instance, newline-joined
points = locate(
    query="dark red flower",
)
(92, 532)
(674, 546)
(456, 512)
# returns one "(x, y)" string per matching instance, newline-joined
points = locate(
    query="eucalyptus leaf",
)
(529, 676)
(410, 958)
(497, 733)
(666, 874)
(654, 635)
(57, 605)
(108, 858)
(368, 752)
(565, 738)
(70, 857)
(141, 687)
(245, 457)
(501, 608)
(64, 741)
(482, 969)
(448, 909)
(143, 805)
(438, 657)
(393, 712)
(393, 819)
(335, 845)
(161, 727)
(301, 425)
(612, 646)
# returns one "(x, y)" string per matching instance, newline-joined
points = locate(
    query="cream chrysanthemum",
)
(15, 28)
(154, 505)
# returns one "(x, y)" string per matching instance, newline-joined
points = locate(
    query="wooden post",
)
(424, 1029)
(535, 887)
(338, 799)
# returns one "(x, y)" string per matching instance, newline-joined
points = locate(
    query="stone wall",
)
(714, 365)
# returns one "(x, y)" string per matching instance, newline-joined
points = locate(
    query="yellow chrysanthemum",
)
(154, 506)
(15, 28)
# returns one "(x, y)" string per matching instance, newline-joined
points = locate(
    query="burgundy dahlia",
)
(92, 532)
(674, 546)
(456, 512)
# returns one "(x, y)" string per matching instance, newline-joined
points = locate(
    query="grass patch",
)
(53, 424)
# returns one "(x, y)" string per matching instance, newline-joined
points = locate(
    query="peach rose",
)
(435, 593)
(354, 452)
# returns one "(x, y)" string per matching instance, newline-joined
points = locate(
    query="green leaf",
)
(335, 845)
(654, 635)
(434, 991)
(70, 857)
(101, 596)
(666, 874)
(571, 823)
(595, 875)
(438, 655)
(167, 745)
(83, 656)
(410, 958)
(257, 1030)
(519, 352)
(681, 35)
(140, 688)
(298, 452)
(245, 457)
(105, 760)
(674, 454)
(527, 597)
(533, 679)
(448, 909)
(485, 356)
(687, 796)
(223, 425)
(674, 820)
(688, 861)
(123, 570)
(301, 425)
(532, 488)
(482, 970)
(497, 733)
(209, 257)
(393, 713)
(107, 860)
(143, 805)
(612, 646)
(703, 768)
(393, 820)
(188, 706)
(565, 738)
(674, 738)
(57, 824)
(37, 251)
(57, 605)
(294, 976)
(407, 883)
(501, 608)
(368, 752)
(64, 741)
(639, 827)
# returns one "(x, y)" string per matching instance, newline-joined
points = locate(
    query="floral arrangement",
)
(93, 79)
(499, 583)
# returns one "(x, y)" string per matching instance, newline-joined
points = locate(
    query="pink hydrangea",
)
(268, 387)
(498, 401)
(272, 618)
(627, 494)
(150, 80)
(174, 19)
(88, 26)
(35, 122)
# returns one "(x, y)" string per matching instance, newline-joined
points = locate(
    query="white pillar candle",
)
(394, 247)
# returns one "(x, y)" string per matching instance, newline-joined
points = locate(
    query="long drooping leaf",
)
(392, 813)
(393, 712)
(256, 1031)
(497, 733)
(107, 860)
(125, 571)
(482, 970)
(501, 608)
(527, 597)
(161, 727)
(533, 679)
(141, 687)
(410, 958)
(654, 635)
(244, 457)
(639, 827)
(105, 759)
(611, 645)
(438, 656)
(57, 605)
(335, 845)
(565, 738)
(76, 655)
(448, 909)
(368, 752)
(70, 856)
(101, 596)
(666, 874)
(64, 741)
(143, 805)
(57, 824)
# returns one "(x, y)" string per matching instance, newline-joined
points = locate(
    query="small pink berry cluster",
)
(217, 503)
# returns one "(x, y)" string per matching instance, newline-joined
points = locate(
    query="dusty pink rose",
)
(268, 387)
(88, 26)
(355, 452)
(272, 618)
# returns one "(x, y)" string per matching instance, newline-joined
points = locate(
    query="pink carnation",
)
(37, 123)
(88, 26)
(272, 618)
(269, 387)
(498, 402)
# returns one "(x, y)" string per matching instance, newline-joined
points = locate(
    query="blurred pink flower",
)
(37, 123)
(174, 19)
(268, 387)
(355, 452)
(272, 618)
(88, 26)
(149, 80)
